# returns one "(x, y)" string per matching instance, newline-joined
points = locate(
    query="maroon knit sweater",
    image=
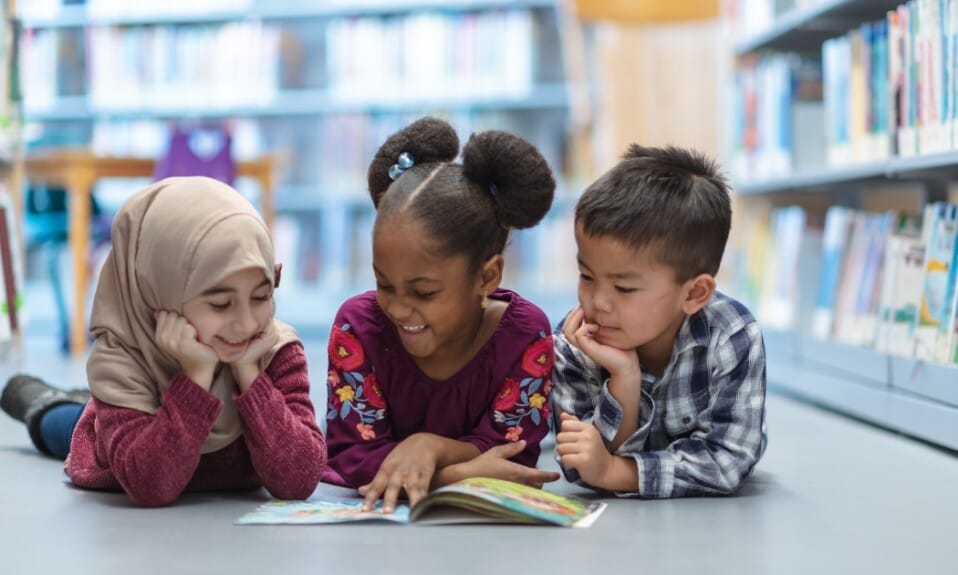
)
(155, 458)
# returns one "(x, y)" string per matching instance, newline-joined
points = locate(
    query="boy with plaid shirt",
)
(659, 382)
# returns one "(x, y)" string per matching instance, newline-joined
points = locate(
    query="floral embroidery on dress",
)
(350, 391)
(345, 351)
(528, 397)
(539, 357)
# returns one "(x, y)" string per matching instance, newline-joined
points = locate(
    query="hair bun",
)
(428, 140)
(522, 178)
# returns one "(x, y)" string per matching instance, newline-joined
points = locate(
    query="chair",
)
(198, 150)
(194, 149)
(45, 226)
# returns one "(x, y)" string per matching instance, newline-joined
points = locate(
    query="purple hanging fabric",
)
(182, 159)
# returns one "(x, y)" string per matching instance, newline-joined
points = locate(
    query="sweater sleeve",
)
(279, 427)
(358, 432)
(153, 457)
(520, 409)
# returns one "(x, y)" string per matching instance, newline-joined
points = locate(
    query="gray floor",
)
(830, 496)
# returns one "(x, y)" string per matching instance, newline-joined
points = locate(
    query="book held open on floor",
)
(473, 500)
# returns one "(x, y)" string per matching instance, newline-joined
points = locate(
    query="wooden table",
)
(78, 170)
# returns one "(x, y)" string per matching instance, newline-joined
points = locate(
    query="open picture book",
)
(473, 500)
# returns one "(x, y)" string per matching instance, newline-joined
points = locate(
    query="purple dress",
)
(378, 396)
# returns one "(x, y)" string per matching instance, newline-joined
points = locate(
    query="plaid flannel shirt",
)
(701, 423)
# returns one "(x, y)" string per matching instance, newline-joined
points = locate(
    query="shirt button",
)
(686, 419)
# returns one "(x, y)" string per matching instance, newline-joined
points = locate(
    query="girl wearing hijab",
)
(195, 386)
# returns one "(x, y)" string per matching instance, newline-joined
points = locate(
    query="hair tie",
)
(403, 163)
(493, 191)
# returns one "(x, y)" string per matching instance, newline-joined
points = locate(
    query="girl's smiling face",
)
(230, 314)
(433, 301)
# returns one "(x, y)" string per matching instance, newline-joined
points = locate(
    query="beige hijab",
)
(171, 242)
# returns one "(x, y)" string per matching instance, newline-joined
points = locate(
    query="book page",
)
(471, 501)
(511, 502)
(313, 512)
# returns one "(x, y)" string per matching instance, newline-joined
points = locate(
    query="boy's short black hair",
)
(672, 200)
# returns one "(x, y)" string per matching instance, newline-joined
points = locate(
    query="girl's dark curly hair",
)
(469, 208)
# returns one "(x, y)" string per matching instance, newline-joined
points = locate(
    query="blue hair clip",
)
(404, 162)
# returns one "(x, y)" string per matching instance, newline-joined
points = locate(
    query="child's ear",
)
(698, 292)
(490, 275)
(277, 274)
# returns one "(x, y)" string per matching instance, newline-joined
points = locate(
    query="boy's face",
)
(635, 301)
(230, 314)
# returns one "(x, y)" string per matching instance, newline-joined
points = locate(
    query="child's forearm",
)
(450, 474)
(451, 455)
(447, 451)
(622, 475)
(627, 390)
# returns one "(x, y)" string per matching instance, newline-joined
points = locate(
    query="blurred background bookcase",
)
(11, 169)
(316, 84)
(844, 141)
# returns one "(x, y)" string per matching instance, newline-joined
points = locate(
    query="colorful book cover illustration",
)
(943, 230)
(473, 500)
(837, 234)
(906, 296)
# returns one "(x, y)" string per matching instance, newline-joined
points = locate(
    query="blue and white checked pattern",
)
(701, 424)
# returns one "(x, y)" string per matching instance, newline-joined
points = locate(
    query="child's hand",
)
(176, 337)
(495, 463)
(580, 447)
(246, 368)
(619, 363)
(408, 468)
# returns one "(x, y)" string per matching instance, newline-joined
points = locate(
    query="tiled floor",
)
(830, 496)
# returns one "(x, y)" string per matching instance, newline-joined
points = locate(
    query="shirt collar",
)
(693, 333)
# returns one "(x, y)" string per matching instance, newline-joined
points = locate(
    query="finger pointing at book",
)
(408, 469)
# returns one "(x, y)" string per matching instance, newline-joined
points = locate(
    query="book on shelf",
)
(880, 280)
(942, 230)
(777, 119)
(752, 18)
(837, 233)
(901, 294)
(415, 59)
(856, 316)
(946, 343)
(777, 306)
(890, 89)
(470, 501)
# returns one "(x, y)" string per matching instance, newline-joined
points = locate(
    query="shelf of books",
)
(320, 84)
(800, 25)
(843, 160)
(938, 165)
(11, 277)
(65, 14)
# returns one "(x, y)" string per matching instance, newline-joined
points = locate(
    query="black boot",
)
(26, 398)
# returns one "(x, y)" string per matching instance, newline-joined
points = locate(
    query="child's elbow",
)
(729, 486)
(293, 493)
(301, 486)
(729, 481)
(153, 498)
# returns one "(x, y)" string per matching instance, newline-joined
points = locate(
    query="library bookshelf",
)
(318, 84)
(883, 146)
(11, 173)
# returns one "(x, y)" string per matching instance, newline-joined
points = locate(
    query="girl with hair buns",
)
(194, 384)
(440, 374)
